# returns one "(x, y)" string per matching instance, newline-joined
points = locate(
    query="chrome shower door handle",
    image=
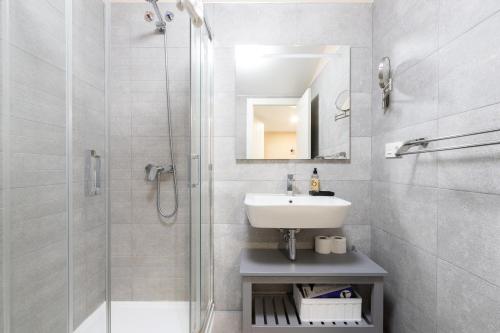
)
(195, 159)
(92, 173)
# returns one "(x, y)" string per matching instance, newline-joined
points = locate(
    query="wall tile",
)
(407, 212)
(467, 67)
(254, 24)
(333, 24)
(468, 230)
(465, 301)
(361, 69)
(473, 169)
(412, 272)
(402, 316)
(458, 16)
(407, 32)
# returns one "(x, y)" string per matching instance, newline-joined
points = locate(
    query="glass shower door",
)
(201, 178)
(34, 120)
(53, 233)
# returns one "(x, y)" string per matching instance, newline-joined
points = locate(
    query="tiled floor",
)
(227, 322)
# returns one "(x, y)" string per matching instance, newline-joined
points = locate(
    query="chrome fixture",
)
(149, 16)
(92, 173)
(169, 16)
(398, 149)
(154, 172)
(291, 242)
(161, 24)
(289, 184)
(385, 80)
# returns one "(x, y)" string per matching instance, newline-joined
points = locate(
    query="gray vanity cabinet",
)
(267, 278)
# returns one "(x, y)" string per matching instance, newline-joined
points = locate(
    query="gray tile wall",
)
(38, 263)
(284, 24)
(435, 217)
(150, 259)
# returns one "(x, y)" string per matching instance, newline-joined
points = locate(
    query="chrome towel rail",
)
(399, 149)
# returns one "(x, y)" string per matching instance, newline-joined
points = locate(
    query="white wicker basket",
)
(327, 309)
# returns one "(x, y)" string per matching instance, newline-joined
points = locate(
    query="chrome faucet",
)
(289, 184)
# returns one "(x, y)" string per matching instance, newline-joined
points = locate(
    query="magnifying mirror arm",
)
(386, 91)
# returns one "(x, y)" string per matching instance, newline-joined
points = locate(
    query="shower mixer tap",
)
(153, 171)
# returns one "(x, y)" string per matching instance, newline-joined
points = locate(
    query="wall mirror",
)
(293, 102)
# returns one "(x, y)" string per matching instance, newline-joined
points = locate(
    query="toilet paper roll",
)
(339, 244)
(322, 244)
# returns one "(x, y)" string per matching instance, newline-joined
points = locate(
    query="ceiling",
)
(276, 118)
(279, 71)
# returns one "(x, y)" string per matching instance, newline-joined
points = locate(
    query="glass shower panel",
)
(88, 160)
(206, 244)
(34, 155)
(4, 111)
(195, 180)
(201, 177)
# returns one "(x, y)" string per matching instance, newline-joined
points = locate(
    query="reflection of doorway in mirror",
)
(279, 128)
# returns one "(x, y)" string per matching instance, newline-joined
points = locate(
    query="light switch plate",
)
(392, 148)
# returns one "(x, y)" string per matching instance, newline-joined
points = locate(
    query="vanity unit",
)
(268, 277)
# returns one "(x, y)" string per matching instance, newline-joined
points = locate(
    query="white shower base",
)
(138, 317)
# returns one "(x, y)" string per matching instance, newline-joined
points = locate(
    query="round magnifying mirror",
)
(384, 72)
(343, 101)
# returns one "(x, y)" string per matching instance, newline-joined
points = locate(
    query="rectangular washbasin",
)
(295, 212)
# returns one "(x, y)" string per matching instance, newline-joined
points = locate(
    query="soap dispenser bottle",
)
(315, 181)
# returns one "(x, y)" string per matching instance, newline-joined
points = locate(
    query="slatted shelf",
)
(280, 311)
(267, 278)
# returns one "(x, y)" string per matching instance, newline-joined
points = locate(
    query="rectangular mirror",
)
(293, 102)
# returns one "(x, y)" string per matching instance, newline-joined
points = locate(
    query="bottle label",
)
(315, 185)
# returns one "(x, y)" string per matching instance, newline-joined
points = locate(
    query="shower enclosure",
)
(86, 105)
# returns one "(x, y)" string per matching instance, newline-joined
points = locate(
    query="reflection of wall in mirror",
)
(280, 145)
(258, 139)
(332, 137)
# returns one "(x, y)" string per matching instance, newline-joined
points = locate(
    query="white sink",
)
(295, 212)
